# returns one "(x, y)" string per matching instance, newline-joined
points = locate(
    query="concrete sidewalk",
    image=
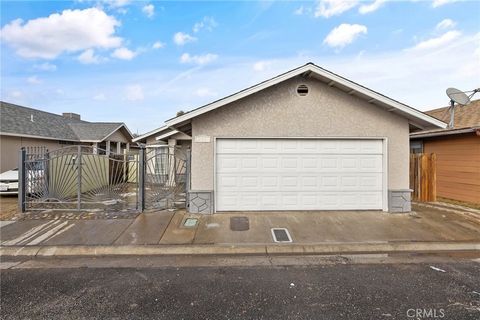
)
(164, 233)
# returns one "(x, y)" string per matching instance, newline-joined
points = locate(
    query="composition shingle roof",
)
(465, 116)
(20, 120)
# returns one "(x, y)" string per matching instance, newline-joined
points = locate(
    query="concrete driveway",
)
(305, 227)
(341, 226)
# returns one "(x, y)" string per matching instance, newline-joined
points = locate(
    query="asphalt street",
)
(338, 291)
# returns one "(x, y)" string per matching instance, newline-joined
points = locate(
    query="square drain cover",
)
(190, 222)
(281, 235)
(239, 224)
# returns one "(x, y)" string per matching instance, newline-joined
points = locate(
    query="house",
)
(27, 127)
(457, 151)
(307, 139)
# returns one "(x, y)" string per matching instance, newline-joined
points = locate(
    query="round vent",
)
(302, 90)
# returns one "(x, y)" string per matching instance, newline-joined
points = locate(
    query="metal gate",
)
(78, 178)
(166, 177)
(88, 178)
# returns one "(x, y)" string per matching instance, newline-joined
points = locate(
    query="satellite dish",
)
(458, 96)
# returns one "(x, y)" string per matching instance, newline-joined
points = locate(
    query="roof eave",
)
(37, 137)
(419, 119)
(150, 133)
(116, 129)
(166, 135)
(419, 135)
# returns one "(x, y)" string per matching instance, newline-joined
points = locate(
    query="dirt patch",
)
(460, 203)
(8, 207)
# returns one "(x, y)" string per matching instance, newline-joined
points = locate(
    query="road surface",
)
(334, 291)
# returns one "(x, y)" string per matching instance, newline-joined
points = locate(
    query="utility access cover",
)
(190, 222)
(281, 235)
(239, 224)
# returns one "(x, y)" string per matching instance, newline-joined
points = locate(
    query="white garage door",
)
(299, 174)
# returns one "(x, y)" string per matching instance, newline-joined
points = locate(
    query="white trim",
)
(334, 78)
(441, 133)
(146, 135)
(166, 135)
(156, 145)
(385, 166)
(118, 128)
(214, 172)
(385, 174)
(60, 139)
(38, 137)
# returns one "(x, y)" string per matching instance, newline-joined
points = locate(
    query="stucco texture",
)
(278, 111)
(10, 146)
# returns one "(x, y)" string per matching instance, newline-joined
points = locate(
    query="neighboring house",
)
(307, 139)
(457, 150)
(27, 127)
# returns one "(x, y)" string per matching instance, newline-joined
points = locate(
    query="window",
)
(416, 146)
(161, 160)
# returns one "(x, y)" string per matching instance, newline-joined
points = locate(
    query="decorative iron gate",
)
(88, 178)
(79, 178)
(166, 177)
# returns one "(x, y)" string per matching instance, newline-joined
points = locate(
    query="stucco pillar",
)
(171, 162)
(107, 148)
(400, 201)
(95, 148)
(119, 147)
(128, 147)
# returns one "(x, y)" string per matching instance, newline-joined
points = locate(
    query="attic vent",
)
(302, 90)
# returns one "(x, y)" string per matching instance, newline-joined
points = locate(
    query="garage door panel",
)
(296, 174)
(300, 182)
(293, 146)
(232, 201)
(298, 163)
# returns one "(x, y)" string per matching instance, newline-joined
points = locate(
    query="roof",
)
(416, 117)
(22, 121)
(95, 131)
(465, 116)
(148, 134)
(467, 119)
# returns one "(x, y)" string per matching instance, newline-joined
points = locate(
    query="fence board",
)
(423, 176)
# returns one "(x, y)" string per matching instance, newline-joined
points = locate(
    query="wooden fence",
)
(423, 176)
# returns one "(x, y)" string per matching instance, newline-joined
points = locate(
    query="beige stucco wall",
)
(118, 136)
(151, 140)
(279, 112)
(9, 147)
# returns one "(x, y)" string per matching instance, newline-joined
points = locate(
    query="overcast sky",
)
(140, 62)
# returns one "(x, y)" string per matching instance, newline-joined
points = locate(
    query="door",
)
(299, 174)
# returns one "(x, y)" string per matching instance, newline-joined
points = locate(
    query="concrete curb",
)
(258, 249)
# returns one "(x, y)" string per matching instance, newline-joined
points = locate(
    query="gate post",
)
(141, 179)
(79, 177)
(22, 194)
(188, 177)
